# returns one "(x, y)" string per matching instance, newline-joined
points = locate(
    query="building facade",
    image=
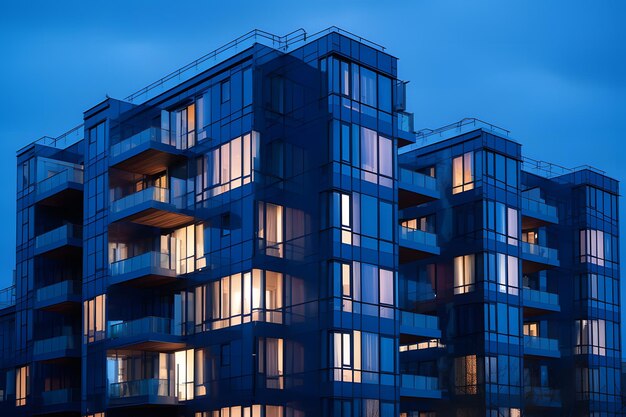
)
(263, 234)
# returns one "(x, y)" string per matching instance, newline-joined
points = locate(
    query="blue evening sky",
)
(554, 73)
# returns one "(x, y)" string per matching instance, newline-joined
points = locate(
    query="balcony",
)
(151, 207)
(415, 188)
(538, 302)
(416, 244)
(148, 152)
(62, 188)
(142, 392)
(147, 269)
(536, 257)
(62, 241)
(418, 386)
(536, 213)
(418, 327)
(406, 129)
(60, 401)
(541, 346)
(542, 396)
(62, 296)
(148, 333)
(55, 348)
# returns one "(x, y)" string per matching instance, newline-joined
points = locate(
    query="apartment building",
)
(263, 233)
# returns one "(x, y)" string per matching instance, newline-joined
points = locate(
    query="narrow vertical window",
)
(22, 385)
(463, 173)
(464, 274)
(225, 90)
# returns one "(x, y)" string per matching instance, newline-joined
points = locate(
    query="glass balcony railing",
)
(542, 343)
(420, 382)
(542, 297)
(537, 206)
(418, 236)
(405, 122)
(141, 387)
(541, 394)
(55, 344)
(60, 396)
(417, 179)
(157, 194)
(150, 324)
(541, 251)
(146, 260)
(59, 235)
(7, 296)
(154, 135)
(59, 179)
(419, 320)
(60, 289)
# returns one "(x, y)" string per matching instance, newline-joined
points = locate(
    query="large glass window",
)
(22, 385)
(595, 247)
(464, 274)
(184, 374)
(591, 337)
(227, 167)
(271, 361)
(466, 375)
(94, 319)
(271, 229)
(463, 173)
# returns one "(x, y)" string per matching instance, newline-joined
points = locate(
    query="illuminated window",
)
(507, 274)
(466, 375)
(595, 246)
(94, 319)
(271, 229)
(464, 278)
(22, 385)
(183, 127)
(346, 356)
(271, 362)
(531, 329)
(590, 337)
(463, 173)
(184, 374)
(200, 379)
(186, 248)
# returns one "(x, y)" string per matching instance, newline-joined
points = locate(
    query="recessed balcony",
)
(62, 296)
(416, 244)
(415, 188)
(541, 347)
(142, 392)
(539, 302)
(537, 257)
(542, 396)
(60, 402)
(63, 187)
(151, 207)
(148, 152)
(147, 269)
(416, 327)
(62, 241)
(536, 213)
(419, 386)
(56, 348)
(147, 333)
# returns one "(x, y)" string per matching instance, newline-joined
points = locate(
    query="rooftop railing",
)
(551, 170)
(64, 141)
(427, 137)
(418, 236)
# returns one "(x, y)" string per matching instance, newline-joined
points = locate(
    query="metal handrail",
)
(63, 141)
(551, 170)
(424, 133)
